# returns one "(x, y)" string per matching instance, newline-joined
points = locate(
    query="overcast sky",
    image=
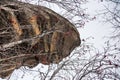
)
(97, 28)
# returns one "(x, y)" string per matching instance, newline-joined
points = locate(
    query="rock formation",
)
(31, 34)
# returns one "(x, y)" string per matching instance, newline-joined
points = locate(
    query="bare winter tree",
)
(112, 15)
(32, 34)
(105, 64)
(85, 63)
(90, 63)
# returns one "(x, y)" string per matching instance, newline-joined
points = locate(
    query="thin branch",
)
(9, 45)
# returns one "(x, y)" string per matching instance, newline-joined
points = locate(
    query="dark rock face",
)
(31, 34)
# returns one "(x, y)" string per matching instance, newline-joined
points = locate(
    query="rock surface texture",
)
(31, 34)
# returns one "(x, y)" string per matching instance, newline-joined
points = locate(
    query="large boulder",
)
(31, 34)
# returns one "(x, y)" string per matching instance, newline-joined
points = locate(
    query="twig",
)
(24, 40)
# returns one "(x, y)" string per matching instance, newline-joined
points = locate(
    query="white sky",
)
(94, 29)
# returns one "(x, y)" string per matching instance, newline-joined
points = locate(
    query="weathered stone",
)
(31, 34)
